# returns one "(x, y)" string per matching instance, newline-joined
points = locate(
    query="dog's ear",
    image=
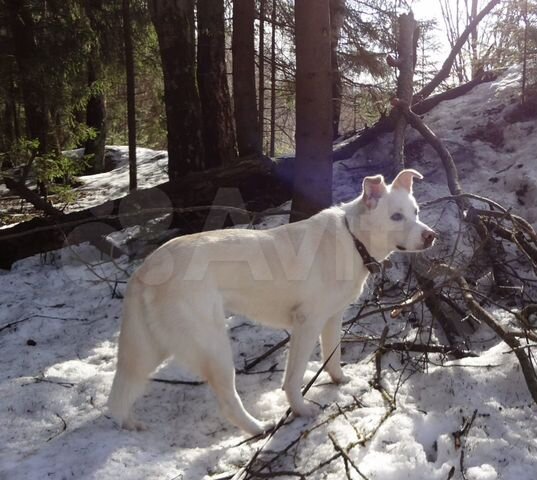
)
(405, 178)
(373, 189)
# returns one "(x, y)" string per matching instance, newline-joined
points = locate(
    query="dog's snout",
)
(428, 237)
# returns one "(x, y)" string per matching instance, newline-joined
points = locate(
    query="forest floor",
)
(60, 316)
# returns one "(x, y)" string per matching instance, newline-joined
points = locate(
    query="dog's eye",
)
(397, 217)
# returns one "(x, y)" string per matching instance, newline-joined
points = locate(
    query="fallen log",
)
(386, 123)
(255, 184)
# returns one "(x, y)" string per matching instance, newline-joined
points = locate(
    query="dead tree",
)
(407, 41)
(386, 123)
(444, 72)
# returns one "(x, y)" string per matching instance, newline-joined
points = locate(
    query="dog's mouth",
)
(399, 247)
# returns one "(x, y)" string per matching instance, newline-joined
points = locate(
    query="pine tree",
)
(218, 131)
(313, 165)
(175, 27)
(244, 91)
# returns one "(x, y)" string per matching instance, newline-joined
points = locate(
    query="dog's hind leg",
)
(138, 356)
(218, 369)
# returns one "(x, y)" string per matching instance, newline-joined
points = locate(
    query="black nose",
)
(428, 237)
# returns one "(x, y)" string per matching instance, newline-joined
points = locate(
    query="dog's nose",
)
(428, 237)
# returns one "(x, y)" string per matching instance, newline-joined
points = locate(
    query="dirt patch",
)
(522, 112)
(490, 133)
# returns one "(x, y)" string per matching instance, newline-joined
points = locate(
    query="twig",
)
(459, 435)
(64, 427)
(427, 348)
(265, 354)
(178, 382)
(378, 358)
(524, 360)
(12, 324)
(346, 458)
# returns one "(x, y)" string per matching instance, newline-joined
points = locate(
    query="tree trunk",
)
(313, 168)
(131, 93)
(337, 16)
(406, 60)
(474, 37)
(261, 75)
(96, 118)
(258, 183)
(174, 24)
(244, 99)
(30, 73)
(11, 132)
(96, 107)
(272, 144)
(218, 134)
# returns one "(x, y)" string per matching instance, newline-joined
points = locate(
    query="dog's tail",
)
(138, 356)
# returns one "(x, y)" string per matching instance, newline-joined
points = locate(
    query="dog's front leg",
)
(331, 348)
(303, 337)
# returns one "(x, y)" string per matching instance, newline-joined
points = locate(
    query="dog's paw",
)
(134, 425)
(260, 428)
(305, 410)
(340, 378)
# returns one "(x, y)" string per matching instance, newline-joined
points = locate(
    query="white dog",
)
(299, 276)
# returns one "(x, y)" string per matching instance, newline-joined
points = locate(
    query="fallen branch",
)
(347, 460)
(423, 106)
(481, 314)
(447, 160)
(428, 348)
(26, 194)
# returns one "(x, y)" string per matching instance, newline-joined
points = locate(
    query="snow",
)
(59, 323)
(151, 170)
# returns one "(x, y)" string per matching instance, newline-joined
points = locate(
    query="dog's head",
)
(390, 213)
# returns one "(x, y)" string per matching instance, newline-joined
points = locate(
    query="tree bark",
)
(313, 164)
(261, 75)
(260, 184)
(244, 95)
(96, 119)
(131, 93)
(218, 134)
(174, 24)
(272, 143)
(337, 17)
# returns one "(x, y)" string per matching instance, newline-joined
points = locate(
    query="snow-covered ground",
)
(59, 320)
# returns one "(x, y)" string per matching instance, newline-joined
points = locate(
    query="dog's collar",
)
(370, 263)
